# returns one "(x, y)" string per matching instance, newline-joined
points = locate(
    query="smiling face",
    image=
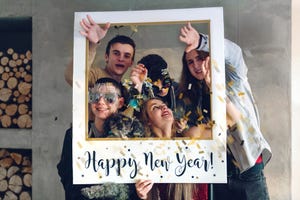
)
(197, 64)
(160, 117)
(119, 59)
(106, 101)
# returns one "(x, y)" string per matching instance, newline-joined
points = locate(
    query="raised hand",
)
(138, 75)
(143, 187)
(190, 36)
(92, 31)
(181, 125)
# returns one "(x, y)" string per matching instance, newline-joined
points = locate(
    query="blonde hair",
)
(174, 191)
(144, 118)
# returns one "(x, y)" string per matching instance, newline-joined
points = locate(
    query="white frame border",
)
(116, 148)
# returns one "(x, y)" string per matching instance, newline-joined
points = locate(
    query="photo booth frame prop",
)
(179, 160)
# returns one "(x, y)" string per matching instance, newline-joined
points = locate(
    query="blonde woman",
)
(159, 122)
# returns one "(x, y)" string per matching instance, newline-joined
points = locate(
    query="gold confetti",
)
(188, 114)
(231, 68)
(221, 99)
(215, 64)
(79, 144)
(180, 95)
(186, 117)
(178, 146)
(140, 173)
(123, 154)
(230, 83)
(236, 164)
(211, 123)
(134, 28)
(199, 111)
(78, 165)
(192, 142)
(251, 130)
(125, 118)
(200, 118)
(241, 93)
(230, 139)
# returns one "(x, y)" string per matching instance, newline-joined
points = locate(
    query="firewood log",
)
(3, 173)
(3, 185)
(12, 171)
(15, 184)
(25, 196)
(27, 180)
(5, 121)
(24, 121)
(17, 157)
(11, 109)
(9, 195)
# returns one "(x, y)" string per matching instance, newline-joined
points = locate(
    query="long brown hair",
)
(191, 92)
(144, 117)
(174, 191)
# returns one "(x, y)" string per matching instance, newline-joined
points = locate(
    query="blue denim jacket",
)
(245, 140)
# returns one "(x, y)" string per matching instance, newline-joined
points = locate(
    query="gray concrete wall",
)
(261, 28)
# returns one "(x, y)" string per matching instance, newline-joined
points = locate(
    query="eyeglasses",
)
(109, 98)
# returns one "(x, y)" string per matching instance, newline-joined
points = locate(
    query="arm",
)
(94, 33)
(65, 170)
(233, 115)
(190, 37)
(233, 56)
(202, 131)
(69, 69)
(233, 53)
(64, 166)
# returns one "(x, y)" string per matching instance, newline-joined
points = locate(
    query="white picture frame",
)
(182, 160)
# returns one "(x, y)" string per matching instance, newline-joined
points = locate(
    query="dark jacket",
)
(65, 171)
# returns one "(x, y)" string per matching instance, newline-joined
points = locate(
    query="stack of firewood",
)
(15, 175)
(15, 89)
